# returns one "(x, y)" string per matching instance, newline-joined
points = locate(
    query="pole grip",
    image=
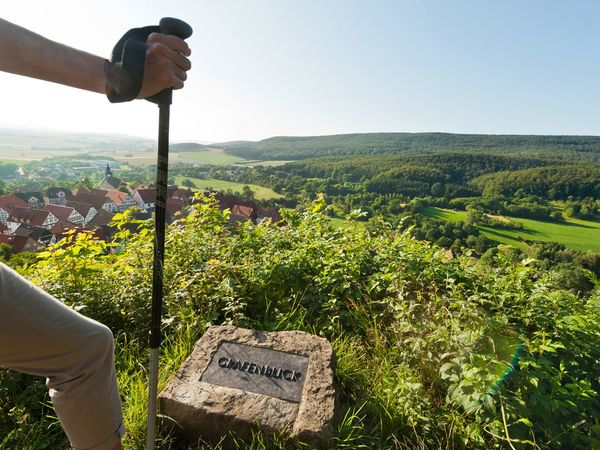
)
(180, 29)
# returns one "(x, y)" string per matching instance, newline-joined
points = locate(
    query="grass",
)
(208, 156)
(343, 223)
(448, 215)
(573, 233)
(260, 192)
(148, 157)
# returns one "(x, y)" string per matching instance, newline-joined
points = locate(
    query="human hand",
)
(166, 64)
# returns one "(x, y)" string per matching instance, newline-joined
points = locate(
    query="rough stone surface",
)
(208, 405)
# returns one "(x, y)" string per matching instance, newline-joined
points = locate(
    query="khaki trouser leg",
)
(41, 336)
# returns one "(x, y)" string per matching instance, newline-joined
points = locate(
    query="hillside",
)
(432, 351)
(586, 148)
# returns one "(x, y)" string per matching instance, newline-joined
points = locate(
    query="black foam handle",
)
(175, 27)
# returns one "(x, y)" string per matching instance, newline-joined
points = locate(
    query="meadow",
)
(573, 233)
(260, 192)
(148, 157)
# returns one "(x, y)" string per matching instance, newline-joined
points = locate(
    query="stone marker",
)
(239, 380)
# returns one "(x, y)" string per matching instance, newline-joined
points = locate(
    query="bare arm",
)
(26, 53)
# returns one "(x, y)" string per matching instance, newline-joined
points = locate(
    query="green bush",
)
(431, 352)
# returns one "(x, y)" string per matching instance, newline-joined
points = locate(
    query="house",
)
(80, 189)
(102, 217)
(110, 181)
(227, 201)
(100, 192)
(123, 200)
(267, 213)
(145, 198)
(86, 210)
(7, 202)
(33, 199)
(66, 214)
(21, 243)
(97, 201)
(185, 195)
(39, 217)
(241, 213)
(42, 235)
(60, 227)
(175, 206)
(57, 196)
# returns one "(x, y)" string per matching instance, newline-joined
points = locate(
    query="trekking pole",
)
(164, 99)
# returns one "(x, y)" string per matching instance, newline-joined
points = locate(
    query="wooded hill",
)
(585, 148)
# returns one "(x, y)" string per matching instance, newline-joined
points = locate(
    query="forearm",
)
(25, 53)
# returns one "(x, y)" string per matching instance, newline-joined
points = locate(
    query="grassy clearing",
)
(343, 223)
(148, 157)
(260, 192)
(449, 215)
(209, 156)
(271, 163)
(573, 233)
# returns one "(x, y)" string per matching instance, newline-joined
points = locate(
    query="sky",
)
(265, 68)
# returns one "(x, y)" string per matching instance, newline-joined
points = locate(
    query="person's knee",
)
(100, 342)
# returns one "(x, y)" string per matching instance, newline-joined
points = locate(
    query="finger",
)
(173, 42)
(163, 52)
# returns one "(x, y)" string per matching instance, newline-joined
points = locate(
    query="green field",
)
(260, 192)
(148, 157)
(343, 223)
(573, 233)
(208, 156)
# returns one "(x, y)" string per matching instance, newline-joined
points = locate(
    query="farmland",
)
(260, 192)
(573, 233)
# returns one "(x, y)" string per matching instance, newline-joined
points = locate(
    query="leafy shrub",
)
(432, 352)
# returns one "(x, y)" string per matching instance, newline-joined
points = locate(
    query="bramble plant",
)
(432, 351)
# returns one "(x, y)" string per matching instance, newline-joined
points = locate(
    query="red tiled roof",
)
(61, 212)
(62, 226)
(246, 212)
(102, 218)
(100, 192)
(95, 200)
(81, 208)
(271, 213)
(10, 201)
(116, 196)
(147, 195)
(81, 189)
(20, 243)
(28, 215)
(174, 205)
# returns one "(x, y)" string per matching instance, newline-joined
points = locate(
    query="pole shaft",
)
(152, 394)
(160, 213)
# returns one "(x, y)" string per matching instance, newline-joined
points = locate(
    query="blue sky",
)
(279, 67)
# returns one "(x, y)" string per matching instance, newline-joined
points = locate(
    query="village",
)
(30, 221)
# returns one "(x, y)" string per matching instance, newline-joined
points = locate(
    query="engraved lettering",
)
(223, 362)
(288, 375)
(256, 369)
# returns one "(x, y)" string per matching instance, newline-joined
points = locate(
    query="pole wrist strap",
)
(124, 72)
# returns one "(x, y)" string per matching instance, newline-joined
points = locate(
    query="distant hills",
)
(286, 148)
(586, 148)
(23, 140)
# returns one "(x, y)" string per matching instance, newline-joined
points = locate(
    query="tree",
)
(188, 183)
(247, 193)
(5, 252)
